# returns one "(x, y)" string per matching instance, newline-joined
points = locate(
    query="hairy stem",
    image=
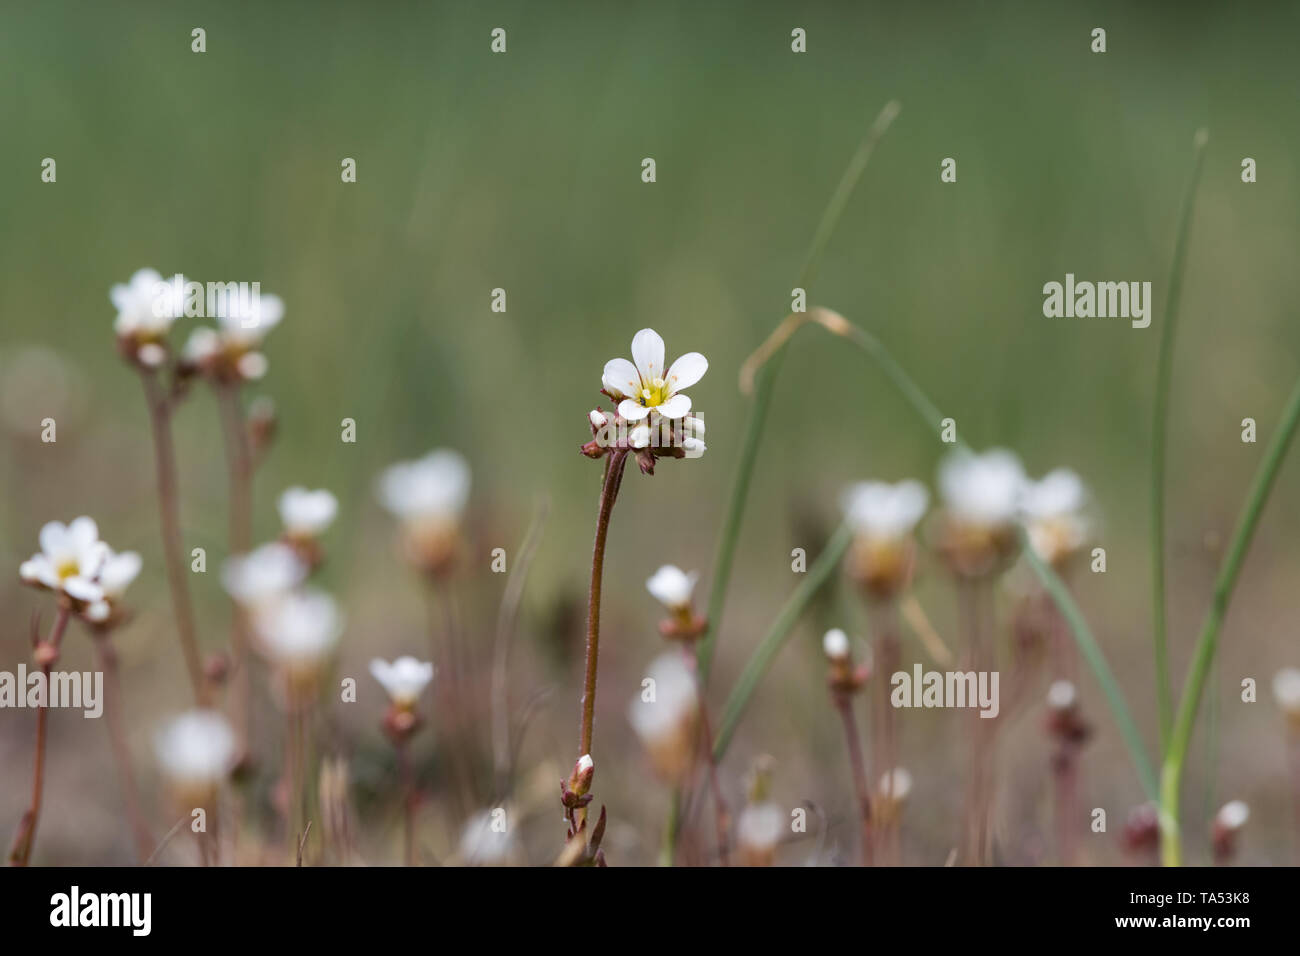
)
(160, 409)
(1208, 641)
(1159, 427)
(608, 495)
(239, 465)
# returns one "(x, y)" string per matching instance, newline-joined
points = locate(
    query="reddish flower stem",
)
(844, 704)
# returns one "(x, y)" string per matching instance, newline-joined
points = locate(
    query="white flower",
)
(1233, 815)
(147, 305)
(1061, 695)
(1053, 513)
(982, 490)
(645, 386)
(672, 587)
(306, 514)
(896, 784)
(70, 558)
(262, 574)
(487, 838)
(836, 644)
(299, 630)
(675, 700)
(404, 679)
(585, 763)
(877, 510)
(435, 486)
(246, 319)
(759, 828)
(197, 749)
(115, 575)
(1286, 690)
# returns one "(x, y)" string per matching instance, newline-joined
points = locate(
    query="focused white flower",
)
(70, 559)
(835, 643)
(1286, 691)
(305, 514)
(263, 574)
(646, 386)
(672, 587)
(1053, 512)
(664, 715)
(196, 751)
(435, 486)
(115, 575)
(880, 511)
(299, 630)
(147, 306)
(487, 838)
(1233, 815)
(404, 679)
(758, 832)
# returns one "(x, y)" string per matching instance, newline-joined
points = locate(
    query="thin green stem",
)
(1159, 427)
(774, 639)
(1091, 652)
(758, 416)
(1208, 641)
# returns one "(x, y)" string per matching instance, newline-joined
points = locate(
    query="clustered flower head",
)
(673, 588)
(428, 496)
(981, 498)
(883, 517)
(76, 564)
(196, 751)
(652, 416)
(231, 353)
(665, 715)
(404, 680)
(147, 306)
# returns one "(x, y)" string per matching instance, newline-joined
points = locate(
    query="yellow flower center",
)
(66, 569)
(656, 394)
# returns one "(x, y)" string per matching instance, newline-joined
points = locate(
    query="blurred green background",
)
(522, 171)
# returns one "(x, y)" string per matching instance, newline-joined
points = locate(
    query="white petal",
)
(675, 407)
(640, 436)
(694, 447)
(621, 378)
(54, 538)
(632, 411)
(686, 371)
(82, 589)
(83, 533)
(648, 354)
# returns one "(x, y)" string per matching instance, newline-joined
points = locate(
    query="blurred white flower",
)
(435, 486)
(1062, 695)
(404, 679)
(115, 575)
(758, 831)
(305, 514)
(982, 489)
(1286, 691)
(230, 352)
(147, 306)
(246, 319)
(299, 630)
(70, 559)
(882, 517)
(835, 643)
(487, 838)
(645, 386)
(1232, 815)
(664, 714)
(672, 587)
(196, 750)
(895, 784)
(1053, 512)
(263, 574)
